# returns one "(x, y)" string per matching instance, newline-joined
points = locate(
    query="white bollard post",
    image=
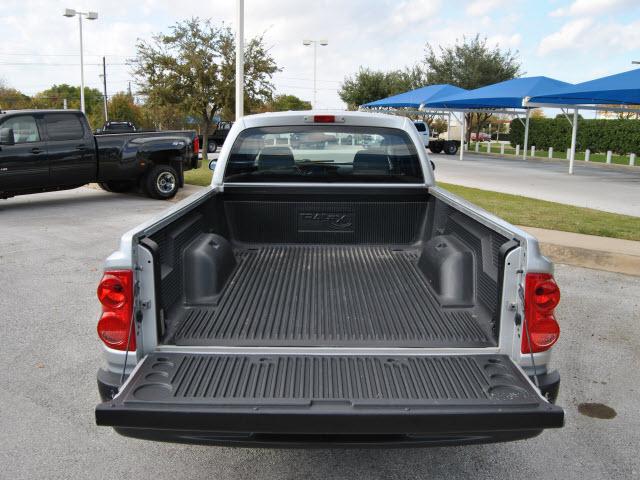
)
(517, 150)
(502, 149)
(550, 152)
(533, 151)
(609, 154)
(477, 146)
(489, 147)
(568, 153)
(632, 159)
(587, 154)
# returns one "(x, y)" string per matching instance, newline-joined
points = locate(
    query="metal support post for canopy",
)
(526, 135)
(462, 135)
(574, 134)
(449, 126)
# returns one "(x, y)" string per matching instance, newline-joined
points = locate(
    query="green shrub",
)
(619, 136)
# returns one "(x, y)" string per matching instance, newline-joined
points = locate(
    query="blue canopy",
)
(507, 94)
(622, 88)
(415, 98)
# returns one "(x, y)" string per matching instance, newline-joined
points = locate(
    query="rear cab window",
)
(61, 126)
(324, 153)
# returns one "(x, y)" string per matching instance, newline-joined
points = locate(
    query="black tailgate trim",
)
(289, 394)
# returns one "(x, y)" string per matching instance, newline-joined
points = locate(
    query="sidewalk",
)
(600, 253)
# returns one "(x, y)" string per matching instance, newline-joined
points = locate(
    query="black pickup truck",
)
(216, 139)
(45, 150)
(117, 127)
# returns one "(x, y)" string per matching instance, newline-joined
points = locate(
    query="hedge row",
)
(619, 136)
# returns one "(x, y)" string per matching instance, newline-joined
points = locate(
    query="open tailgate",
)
(416, 396)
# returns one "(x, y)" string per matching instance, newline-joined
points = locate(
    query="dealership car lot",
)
(51, 249)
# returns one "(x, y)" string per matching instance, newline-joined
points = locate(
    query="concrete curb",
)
(589, 251)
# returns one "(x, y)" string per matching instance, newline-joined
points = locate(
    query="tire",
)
(116, 187)
(450, 148)
(435, 147)
(162, 182)
(212, 147)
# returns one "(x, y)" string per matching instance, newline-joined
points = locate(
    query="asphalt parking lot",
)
(51, 249)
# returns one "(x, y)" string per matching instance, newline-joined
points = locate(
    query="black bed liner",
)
(330, 295)
(335, 395)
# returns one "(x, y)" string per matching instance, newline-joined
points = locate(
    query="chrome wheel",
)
(166, 182)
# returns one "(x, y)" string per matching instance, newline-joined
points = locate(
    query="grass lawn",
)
(201, 176)
(531, 212)
(520, 210)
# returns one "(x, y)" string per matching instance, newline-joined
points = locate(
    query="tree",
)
(619, 115)
(55, 96)
(438, 125)
(369, 85)
(122, 107)
(282, 103)
(471, 64)
(192, 68)
(163, 117)
(12, 99)
(537, 113)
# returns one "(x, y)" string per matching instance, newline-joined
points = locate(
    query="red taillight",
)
(324, 118)
(115, 293)
(112, 291)
(541, 297)
(196, 146)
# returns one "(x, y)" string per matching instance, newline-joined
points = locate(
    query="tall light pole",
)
(70, 12)
(315, 43)
(104, 84)
(239, 59)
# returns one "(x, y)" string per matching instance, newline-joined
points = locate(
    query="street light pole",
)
(315, 74)
(239, 59)
(69, 13)
(81, 66)
(315, 43)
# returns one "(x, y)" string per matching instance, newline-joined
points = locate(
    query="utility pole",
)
(129, 89)
(104, 84)
(239, 59)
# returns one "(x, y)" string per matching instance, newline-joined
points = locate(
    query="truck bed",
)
(357, 295)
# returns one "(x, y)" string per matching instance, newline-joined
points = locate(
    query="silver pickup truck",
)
(323, 291)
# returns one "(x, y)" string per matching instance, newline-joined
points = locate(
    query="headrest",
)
(371, 162)
(276, 158)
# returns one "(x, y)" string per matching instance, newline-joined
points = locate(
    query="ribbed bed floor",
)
(329, 296)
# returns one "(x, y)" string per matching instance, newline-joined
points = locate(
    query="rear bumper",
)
(261, 440)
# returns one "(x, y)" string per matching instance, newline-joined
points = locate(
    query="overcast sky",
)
(571, 40)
